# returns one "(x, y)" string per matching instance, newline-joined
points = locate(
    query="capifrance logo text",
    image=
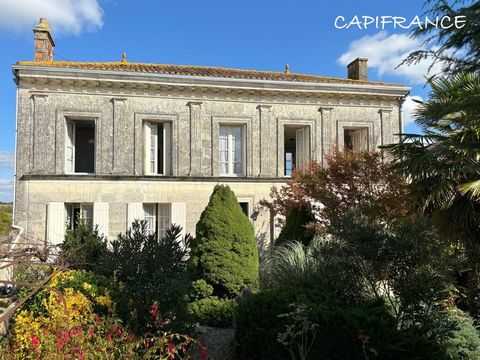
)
(364, 22)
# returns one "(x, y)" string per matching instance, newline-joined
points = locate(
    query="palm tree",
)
(442, 166)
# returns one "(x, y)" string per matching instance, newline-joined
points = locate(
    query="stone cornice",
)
(82, 77)
(153, 178)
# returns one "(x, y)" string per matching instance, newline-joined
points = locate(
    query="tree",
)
(224, 252)
(443, 165)
(296, 226)
(456, 49)
(348, 180)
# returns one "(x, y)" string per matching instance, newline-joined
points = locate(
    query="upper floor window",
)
(158, 154)
(231, 151)
(355, 139)
(296, 148)
(80, 147)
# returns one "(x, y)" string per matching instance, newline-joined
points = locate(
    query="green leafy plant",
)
(299, 334)
(148, 270)
(85, 248)
(213, 311)
(224, 252)
(295, 228)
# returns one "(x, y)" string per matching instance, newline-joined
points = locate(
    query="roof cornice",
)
(125, 77)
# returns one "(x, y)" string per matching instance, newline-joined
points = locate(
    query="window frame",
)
(167, 142)
(160, 227)
(231, 149)
(357, 129)
(71, 141)
(70, 210)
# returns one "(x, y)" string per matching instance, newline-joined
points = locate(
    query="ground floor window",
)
(158, 218)
(245, 207)
(77, 212)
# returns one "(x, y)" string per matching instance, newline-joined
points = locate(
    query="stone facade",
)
(119, 102)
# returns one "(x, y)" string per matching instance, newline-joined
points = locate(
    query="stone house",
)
(115, 141)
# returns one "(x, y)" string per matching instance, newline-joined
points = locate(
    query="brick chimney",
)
(358, 69)
(43, 46)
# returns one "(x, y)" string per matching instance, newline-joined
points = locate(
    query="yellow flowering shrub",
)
(79, 294)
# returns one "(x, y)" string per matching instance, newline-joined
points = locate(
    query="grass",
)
(5, 218)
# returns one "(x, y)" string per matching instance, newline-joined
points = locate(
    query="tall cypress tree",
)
(224, 252)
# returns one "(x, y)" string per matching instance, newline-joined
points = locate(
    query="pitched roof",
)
(206, 71)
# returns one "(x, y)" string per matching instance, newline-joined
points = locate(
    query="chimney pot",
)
(358, 69)
(43, 41)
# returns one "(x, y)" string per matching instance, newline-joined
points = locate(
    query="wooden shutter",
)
(306, 145)
(100, 217)
(70, 147)
(300, 148)
(151, 150)
(179, 215)
(134, 212)
(56, 218)
(167, 148)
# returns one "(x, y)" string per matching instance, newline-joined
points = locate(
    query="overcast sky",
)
(251, 34)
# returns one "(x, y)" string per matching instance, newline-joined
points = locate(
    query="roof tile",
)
(188, 70)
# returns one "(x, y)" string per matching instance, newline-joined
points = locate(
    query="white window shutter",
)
(147, 133)
(134, 212)
(100, 217)
(306, 145)
(300, 148)
(167, 152)
(70, 147)
(56, 217)
(179, 215)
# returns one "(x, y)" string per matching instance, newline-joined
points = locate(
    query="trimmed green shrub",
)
(224, 252)
(344, 331)
(295, 226)
(212, 311)
(200, 290)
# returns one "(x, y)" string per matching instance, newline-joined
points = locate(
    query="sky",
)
(247, 34)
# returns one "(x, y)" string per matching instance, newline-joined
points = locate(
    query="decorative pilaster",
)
(42, 140)
(122, 145)
(266, 148)
(325, 133)
(195, 138)
(385, 122)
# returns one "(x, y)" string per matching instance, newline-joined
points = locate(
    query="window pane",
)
(237, 168)
(149, 217)
(164, 219)
(84, 146)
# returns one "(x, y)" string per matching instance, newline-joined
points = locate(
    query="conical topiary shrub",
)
(224, 252)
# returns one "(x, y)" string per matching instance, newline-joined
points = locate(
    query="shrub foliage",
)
(224, 252)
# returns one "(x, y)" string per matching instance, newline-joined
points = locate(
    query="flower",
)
(171, 350)
(104, 300)
(202, 352)
(154, 310)
(35, 343)
(86, 286)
